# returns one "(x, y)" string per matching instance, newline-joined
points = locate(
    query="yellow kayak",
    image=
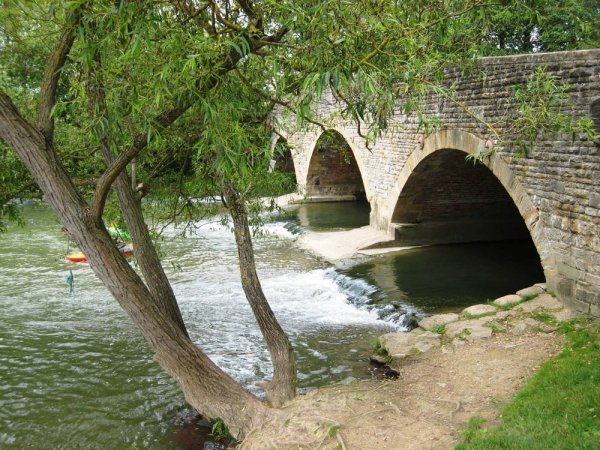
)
(76, 257)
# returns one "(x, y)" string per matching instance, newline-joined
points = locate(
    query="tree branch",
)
(222, 20)
(276, 101)
(155, 279)
(49, 85)
(248, 8)
(165, 119)
(120, 163)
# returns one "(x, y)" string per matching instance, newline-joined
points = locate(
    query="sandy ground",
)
(426, 408)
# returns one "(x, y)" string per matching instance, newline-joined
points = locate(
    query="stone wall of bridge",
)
(555, 189)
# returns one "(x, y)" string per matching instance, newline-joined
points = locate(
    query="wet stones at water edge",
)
(530, 310)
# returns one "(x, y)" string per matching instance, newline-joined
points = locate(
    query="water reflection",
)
(451, 277)
(330, 216)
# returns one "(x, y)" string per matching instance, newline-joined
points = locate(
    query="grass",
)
(496, 327)
(439, 329)
(332, 431)
(526, 298)
(379, 350)
(544, 317)
(559, 408)
(469, 316)
(220, 432)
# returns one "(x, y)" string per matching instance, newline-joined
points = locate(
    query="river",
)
(74, 372)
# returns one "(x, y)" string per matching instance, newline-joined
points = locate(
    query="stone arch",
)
(466, 143)
(338, 171)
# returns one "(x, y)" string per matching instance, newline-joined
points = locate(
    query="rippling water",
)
(75, 374)
(448, 278)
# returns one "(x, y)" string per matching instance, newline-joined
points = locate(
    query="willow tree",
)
(120, 75)
(541, 26)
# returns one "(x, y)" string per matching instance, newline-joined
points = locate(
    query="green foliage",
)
(332, 431)
(544, 317)
(379, 350)
(376, 344)
(558, 408)
(472, 429)
(526, 26)
(236, 75)
(220, 432)
(526, 298)
(15, 183)
(469, 316)
(9, 212)
(439, 329)
(541, 110)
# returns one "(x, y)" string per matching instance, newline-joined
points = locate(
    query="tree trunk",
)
(145, 251)
(206, 387)
(283, 386)
(131, 208)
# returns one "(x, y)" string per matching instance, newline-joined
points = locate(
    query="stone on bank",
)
(478, 322)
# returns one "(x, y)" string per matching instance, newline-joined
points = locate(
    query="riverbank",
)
(469, 374)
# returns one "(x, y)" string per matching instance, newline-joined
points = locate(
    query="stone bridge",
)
(422, 190)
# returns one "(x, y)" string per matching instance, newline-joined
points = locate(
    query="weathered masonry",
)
(422, 190)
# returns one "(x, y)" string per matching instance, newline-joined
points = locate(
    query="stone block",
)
(431, 322)
(400, 345)
(508, 300)
(519, 329)
(502, 315)
(564, 315)
(542, 302)
(479, 310)
(530, 325)
(530, 291)
(469, 329)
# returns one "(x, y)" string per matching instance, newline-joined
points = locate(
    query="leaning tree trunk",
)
(145, 251)
(206, 387)
(283, 385)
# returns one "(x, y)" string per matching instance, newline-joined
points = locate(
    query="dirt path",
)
(427, 407)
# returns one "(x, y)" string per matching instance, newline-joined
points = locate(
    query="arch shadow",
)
(282, 157)
(335, 167)
(444, 143)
